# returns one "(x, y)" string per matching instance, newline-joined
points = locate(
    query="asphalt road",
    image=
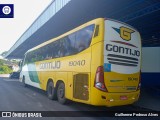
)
(15, 97)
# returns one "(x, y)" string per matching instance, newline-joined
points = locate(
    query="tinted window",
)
(69, 45)
(83, 38)
(70, 41)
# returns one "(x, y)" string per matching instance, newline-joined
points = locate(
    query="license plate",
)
(123, 97)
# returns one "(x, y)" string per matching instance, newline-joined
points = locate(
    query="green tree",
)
(1, 62)
(4, 69)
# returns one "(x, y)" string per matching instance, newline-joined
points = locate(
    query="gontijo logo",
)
(6, 10)
(125, 33)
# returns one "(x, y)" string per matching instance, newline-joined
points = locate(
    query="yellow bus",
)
(97, 63)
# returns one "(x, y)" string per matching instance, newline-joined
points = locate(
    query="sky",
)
(25, 12)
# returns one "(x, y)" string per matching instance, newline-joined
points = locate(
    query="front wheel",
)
(61, 93)
(23, 82)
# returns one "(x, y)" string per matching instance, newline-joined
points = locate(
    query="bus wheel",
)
(51, 91)
(61, 93)
(23, 82)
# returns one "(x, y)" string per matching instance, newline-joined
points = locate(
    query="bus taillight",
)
(99, 79)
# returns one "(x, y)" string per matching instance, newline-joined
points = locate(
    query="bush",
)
(4, 69)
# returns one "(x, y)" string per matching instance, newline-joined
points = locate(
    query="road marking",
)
(9, 80)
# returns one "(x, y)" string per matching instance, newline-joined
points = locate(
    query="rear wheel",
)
(51, 91)
(23, 82)
(61, 93)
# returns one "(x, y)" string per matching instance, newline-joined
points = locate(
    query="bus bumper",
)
(117, 99)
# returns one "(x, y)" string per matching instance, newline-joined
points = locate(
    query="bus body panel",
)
(121, 81)
(65, 69)
(122, 57)
(97, 60)
(29, 75)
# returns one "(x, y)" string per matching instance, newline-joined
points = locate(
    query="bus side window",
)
(61, 50)
(56, 49)
(80, 40)
(43, 52)
(83, 38)
(71, 40)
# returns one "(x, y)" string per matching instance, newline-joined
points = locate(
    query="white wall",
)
(151, 59)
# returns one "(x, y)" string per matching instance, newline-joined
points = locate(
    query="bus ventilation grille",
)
(80, 87)
(122, 60)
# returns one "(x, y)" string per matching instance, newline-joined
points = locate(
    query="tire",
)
(61, 94)
(51, 93)
(23, 82)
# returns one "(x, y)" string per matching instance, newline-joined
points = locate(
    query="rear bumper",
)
(113, 99)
